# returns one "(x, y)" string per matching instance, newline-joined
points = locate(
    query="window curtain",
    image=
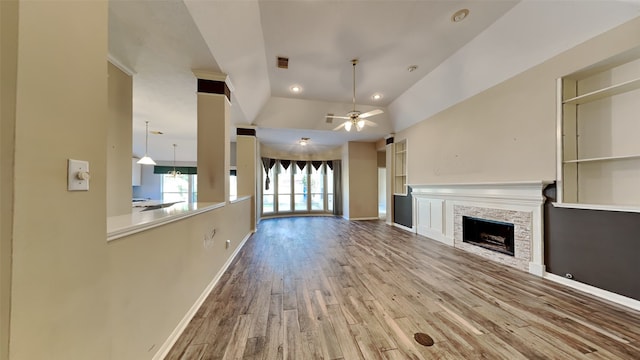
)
(317, 164)
(268, 164)
(300, 165)
(336, 165)
(285, 164)
(184, 170)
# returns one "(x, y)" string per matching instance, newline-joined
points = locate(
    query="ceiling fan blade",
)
(340, 126)
(370, 123)
(370, 113)
(338, 117)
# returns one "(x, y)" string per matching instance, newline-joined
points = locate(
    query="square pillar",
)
(214, 102)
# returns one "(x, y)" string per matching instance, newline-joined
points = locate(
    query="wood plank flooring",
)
(327, 288)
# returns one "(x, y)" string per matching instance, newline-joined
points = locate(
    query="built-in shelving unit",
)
(598, 130)
(400, 172)
(605, 92)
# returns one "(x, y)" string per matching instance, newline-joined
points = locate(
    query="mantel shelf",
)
(606, 158)
(605, 92)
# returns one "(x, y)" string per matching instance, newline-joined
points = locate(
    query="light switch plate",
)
(74, 182)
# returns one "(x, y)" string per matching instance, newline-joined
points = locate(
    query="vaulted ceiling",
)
(161, 42)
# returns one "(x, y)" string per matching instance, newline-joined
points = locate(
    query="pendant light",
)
(146, 160)
(173, 172)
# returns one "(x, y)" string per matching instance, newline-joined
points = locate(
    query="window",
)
(178, 188)
(301, 186)
(329, 187)
(298, 187)
(184, 187)
(233, 185)
(284, 187)
(268, 194)
(316, 184)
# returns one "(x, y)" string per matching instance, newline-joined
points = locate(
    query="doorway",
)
(382, 193)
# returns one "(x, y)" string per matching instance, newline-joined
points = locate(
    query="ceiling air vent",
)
(283, 62)
(329, 119)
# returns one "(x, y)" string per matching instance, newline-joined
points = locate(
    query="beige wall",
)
(59, 287)
(361, 180)
(507, 133)
(119, 146)
(382, 158)
(299, 154)
(8, 65)
(345, 181)
(73, 295)
(157, 275)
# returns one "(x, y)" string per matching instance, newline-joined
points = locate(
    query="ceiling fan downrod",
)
(354, 62)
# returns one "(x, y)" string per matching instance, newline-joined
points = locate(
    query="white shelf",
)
(605, 158)
(605, 92)
(619, 208)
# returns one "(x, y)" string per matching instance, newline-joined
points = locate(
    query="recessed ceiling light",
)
(295, 89)
(460, 15)
(412, 68)
(376, 96)
(304, 141)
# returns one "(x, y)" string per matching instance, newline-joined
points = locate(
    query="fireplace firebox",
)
(489, 234)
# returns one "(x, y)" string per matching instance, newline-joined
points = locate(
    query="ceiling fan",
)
(354, 118)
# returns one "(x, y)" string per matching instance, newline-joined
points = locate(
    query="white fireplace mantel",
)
(434, 209)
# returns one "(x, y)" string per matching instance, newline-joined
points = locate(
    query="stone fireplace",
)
(488, 234)
(506, 216)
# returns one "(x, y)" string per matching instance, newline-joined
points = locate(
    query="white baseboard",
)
(171, 340)
(604, 294)
(409, 229)
(437, 236)
(365, 218)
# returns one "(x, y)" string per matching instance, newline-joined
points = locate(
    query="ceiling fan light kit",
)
(354, 118)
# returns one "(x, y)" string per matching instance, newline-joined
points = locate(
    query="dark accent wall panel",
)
(246, 132)
(214, 87)
(403, 209)
(599, 248)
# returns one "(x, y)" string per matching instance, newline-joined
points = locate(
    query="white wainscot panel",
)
(430, 219)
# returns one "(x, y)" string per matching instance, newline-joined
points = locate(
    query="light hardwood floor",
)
(327, 288)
